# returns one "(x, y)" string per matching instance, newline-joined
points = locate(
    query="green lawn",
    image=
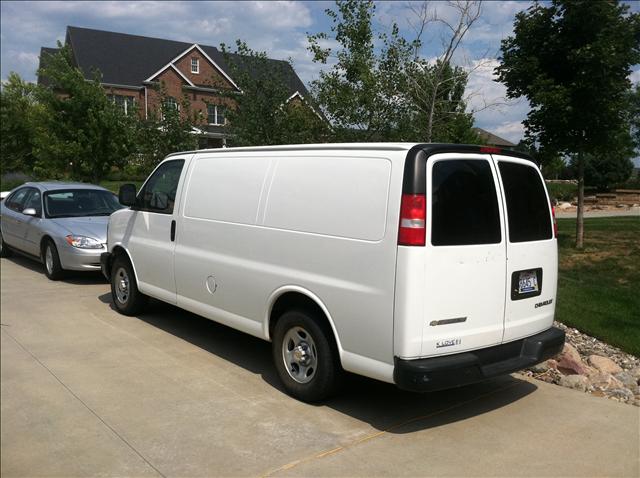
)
(599, 287)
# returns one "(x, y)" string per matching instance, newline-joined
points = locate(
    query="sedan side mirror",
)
(127, 194)
(30, 212)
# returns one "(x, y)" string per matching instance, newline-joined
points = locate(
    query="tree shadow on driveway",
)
(382, 405)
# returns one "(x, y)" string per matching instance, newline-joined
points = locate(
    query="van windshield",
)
(80, 203)
(527, 207)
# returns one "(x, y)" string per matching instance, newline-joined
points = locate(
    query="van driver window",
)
(159, 193)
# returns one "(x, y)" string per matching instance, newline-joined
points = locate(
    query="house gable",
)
(210, 74)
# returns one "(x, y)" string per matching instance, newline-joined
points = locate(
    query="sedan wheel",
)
(4, 250)
(52, 266)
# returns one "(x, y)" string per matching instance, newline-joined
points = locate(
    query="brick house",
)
(133, 66)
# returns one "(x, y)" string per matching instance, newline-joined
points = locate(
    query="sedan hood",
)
(92, 226)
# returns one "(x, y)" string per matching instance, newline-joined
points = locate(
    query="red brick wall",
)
(208, 76)
(173, 84)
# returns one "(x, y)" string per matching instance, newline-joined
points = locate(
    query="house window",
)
(170, 103)
(195, 65)
(125, 103)
(215, 114)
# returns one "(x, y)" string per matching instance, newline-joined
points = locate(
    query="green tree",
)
(261, 114)
(19, 116)
(571, 60)
(167, 129)
(437, 93)
(81, 132)
(364, 93)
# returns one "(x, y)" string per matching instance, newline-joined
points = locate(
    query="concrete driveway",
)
(88, 392)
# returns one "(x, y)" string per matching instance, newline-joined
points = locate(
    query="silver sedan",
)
(63, 225)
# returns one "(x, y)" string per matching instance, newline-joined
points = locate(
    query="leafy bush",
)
(562, 191)
(11, 181)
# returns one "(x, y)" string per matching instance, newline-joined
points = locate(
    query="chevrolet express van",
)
(425, 265)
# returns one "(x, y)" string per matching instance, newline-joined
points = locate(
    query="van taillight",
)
(413, 215)
(555, 223)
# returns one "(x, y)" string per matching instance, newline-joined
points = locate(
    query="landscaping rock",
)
(604, 364)
(544, 366)
(577, 382)
(605, 381)
(583, 365)
(622, 394)
(564, 205)
(629, 381)
(569, 361)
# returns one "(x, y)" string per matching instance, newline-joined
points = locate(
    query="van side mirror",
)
(127, 194)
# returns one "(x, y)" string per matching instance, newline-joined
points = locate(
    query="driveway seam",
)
(371, 436)
(93, 412)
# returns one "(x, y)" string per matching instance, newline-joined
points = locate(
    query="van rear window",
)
(527, 206)
(464, 204)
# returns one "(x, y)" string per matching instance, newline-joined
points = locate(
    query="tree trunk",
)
(580, 218)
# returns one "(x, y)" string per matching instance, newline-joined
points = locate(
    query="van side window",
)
(159, 193)
(527, 206)
(464, 204)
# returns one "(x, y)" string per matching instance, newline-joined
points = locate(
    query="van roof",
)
(430, 148)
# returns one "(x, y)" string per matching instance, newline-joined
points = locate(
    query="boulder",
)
(564, 205)
(604, 364)
(577, 382)
(629, 381)
(605, 381)
(569, 361)
(544, 366)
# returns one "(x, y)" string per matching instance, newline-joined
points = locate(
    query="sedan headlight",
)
(83, 242)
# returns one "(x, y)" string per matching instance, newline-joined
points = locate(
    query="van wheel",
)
(305, 357)
(126, 297)
(4, 249)
(52, 267)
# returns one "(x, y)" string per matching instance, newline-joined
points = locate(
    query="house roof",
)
(492, 139)
(125, 59)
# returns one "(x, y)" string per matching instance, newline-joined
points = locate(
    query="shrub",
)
(11, 181)
(562, 191)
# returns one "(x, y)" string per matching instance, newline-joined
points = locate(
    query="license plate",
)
(528, 282)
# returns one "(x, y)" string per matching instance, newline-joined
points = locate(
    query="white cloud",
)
(635, 76)
(487, 99)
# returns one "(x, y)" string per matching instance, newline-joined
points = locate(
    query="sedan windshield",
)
(80, 203)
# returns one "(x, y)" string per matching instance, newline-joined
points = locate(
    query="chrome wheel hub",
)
(48, 260)
(121, 283)
(299, 355)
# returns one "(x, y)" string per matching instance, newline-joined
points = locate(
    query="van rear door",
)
(532, 253)
(465, 255)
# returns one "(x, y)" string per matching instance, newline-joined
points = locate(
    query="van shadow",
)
(70, 277)
(382, 405)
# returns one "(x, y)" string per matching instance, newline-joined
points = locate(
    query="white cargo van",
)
(424, 265)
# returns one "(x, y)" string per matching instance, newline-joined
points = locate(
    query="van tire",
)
(297, 328)
(126, 297)
(4, 248)
(51, 261)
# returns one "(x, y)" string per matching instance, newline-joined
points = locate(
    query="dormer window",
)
(195, 65)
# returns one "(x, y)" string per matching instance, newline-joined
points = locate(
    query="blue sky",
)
(277, 27)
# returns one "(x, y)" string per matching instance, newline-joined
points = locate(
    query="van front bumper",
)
(449, 371)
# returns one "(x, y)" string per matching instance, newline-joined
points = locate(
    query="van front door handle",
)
(173, 230)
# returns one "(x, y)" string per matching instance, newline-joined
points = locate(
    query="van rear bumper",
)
(448, 371)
